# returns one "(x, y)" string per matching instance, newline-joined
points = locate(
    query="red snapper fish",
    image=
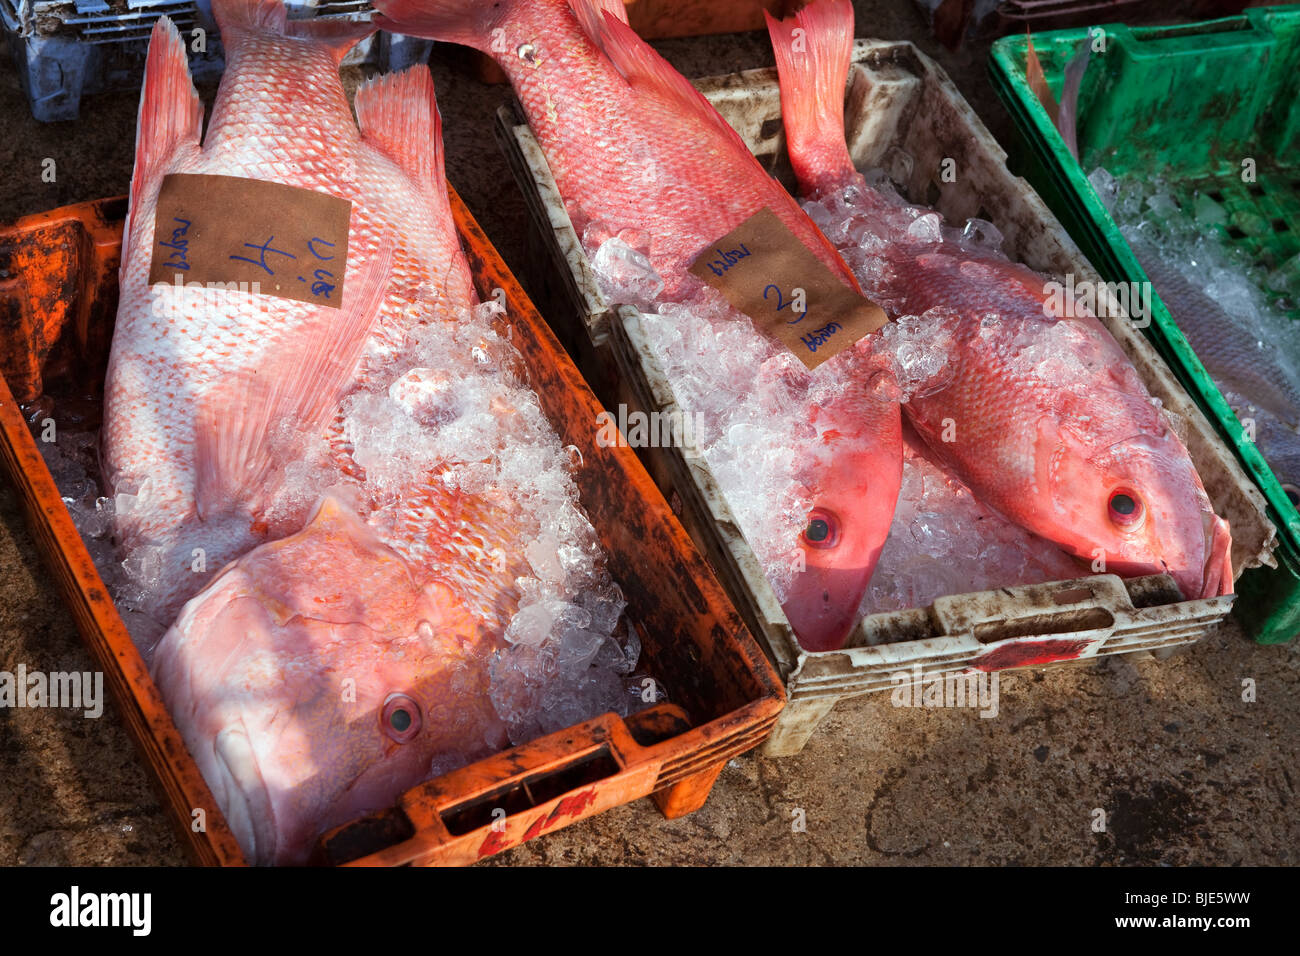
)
(639, 151)
(1044, 418)
(208, 398)
(332, 667)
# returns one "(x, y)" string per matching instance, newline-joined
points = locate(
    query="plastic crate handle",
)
(1034, 625)
(509, 798)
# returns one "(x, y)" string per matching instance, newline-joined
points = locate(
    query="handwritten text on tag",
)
(765, 271)
(291, 242)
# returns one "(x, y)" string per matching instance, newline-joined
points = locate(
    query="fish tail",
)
(236, 17)
(812, 50)
(467, 22)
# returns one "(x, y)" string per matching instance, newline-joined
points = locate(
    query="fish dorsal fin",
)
(234, 448)
(589, 14)
(270, 16)
(399, 116)
(644, 69)
(171, 115)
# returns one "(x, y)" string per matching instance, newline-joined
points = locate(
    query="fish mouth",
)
(822, 615)
(1214, 576)
(242, 795)
(1216, 579)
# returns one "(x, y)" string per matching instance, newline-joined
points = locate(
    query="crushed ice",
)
(451, 402)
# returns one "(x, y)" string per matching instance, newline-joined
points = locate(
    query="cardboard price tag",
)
(767, 273)
(252, 235)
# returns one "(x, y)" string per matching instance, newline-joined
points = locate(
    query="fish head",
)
(855, 492)
(317, 679)
(1134, 506)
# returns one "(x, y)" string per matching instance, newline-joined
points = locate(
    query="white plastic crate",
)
(904, 116)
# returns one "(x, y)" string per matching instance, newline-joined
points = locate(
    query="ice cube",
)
(926, 228)
(1208, 212)
(625, 275)
(1105, 185)
(530, 625)
(982, 234)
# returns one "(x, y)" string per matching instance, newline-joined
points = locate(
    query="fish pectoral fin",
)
(398, 114)
(171, 114)
(300, 391)
(644, 69)
(1218, 562)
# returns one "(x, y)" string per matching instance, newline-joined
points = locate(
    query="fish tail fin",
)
(467, 22)
(813, 50)
(171, 113)
(269, 16)
(233, 454)
(1065, 113)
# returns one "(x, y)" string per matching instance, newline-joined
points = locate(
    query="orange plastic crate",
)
(58, 297)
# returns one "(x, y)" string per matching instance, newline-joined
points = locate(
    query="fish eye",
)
(400, 717)
(823, 529)
(1125, 509)
(1292, 494)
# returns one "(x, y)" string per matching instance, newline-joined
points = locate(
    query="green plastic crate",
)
(1187, 103)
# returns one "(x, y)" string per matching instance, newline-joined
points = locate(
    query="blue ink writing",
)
(781, 303)
(324, 283)
(264, 248)
(815, 340)
(727, 259)
(311, 247)
(176, 259)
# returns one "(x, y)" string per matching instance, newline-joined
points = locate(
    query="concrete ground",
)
(1186, 771)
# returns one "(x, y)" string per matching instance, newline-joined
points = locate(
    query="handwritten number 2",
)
(781, 302)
